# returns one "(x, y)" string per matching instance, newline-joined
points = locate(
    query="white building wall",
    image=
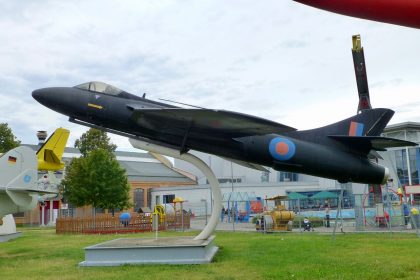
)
(226, 169)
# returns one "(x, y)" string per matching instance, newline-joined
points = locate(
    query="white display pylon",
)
(8, 229)
(214, 184)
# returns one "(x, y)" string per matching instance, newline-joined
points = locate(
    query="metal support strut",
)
(214, 184)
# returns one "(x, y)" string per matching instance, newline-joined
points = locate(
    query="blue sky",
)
(278, 60)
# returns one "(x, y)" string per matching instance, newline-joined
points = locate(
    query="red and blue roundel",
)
(282, 148)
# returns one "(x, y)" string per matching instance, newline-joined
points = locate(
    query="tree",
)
(7, 140)
(94, 139)
(96, 180)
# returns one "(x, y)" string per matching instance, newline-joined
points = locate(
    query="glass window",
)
(401, 163)
(100, 87)
(413, 166)
(168, 198)
(138, 199)
(265, 176)
(402, 169)
(288, 177)
(84, 86)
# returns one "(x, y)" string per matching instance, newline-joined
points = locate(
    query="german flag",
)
(12, 160)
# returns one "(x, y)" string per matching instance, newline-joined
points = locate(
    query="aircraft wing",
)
(20, 190)
(376, 143)
(248, 164)
(230, 124)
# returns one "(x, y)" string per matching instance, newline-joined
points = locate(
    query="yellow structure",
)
(51, 153)
(280, 215)
(179, 200)
(160, 211)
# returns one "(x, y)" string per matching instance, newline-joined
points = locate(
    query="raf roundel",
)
(282, 148)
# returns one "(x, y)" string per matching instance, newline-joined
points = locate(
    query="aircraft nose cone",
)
(49, 97)
(63, 100)
(39, 95)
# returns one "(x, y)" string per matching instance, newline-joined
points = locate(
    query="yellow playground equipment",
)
(278, 219)
(160, 211)
(179, 200)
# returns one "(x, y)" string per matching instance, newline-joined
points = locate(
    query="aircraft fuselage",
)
(310, 152)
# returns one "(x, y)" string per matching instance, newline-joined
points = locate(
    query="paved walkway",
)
(199, 224)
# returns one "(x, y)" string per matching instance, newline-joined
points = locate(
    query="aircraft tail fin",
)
(360, 133)
(51, 153)
(370, 122)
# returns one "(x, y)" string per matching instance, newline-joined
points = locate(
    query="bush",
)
(256, 218)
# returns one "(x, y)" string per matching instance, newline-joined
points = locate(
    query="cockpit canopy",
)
(100, 87)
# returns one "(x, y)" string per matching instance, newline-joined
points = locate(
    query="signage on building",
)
(414, 189)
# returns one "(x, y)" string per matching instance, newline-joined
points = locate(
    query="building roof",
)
(152, 171)
(402, 126)
(324, 195)
(296, 196)
(139, 166)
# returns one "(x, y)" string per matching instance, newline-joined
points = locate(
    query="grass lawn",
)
(41, 254)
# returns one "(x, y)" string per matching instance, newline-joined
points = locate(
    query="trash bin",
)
(415, 218)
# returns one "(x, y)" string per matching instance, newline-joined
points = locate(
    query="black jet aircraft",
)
(338, 151)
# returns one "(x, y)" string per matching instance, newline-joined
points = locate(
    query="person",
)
(406, 214)
(400, 194)
(262, 223)
(415, 218)
(222, 214)
(307, 224)
(327, 216)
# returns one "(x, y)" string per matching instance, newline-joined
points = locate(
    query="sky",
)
(278, 60)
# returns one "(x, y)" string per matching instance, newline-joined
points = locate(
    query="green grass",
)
(41, 254)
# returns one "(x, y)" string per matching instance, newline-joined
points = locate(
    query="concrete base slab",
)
(165, 250)
(10, 236)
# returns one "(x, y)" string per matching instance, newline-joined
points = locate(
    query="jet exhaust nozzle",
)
(386, 176)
